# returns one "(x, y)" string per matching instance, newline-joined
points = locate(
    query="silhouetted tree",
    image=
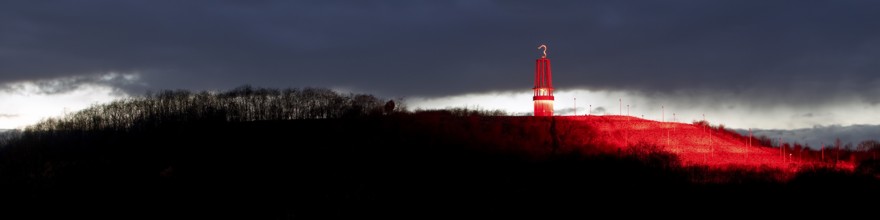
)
(389, 107)
(870, 147)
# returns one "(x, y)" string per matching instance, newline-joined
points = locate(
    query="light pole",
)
(781, 149)
(705, 123)
(710, 144)
(667, 135)
(750, 143)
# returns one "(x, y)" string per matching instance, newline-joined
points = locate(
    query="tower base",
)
(543, 107)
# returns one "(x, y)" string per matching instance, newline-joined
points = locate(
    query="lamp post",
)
(781, 149)
(750, 143)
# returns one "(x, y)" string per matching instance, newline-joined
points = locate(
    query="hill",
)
(697, 143)
(183, 155)
(347, 167)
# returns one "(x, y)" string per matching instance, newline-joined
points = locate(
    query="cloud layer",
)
(797, 52)
(769, 57)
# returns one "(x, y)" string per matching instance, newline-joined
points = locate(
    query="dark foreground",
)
(397, 166)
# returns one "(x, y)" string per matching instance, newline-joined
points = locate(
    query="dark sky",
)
(807, 65)
(799, 51)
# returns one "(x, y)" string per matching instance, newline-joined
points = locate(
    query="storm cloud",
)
(799, 51)
(751, 56)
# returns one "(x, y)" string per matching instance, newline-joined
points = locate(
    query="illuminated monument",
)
(543, 86)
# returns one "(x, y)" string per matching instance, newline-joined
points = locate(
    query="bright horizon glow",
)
(686, 109)
(26, 103)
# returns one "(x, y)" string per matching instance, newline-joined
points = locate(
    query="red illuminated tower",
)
(543, 86)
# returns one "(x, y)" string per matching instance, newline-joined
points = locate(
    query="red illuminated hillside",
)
(695, 144)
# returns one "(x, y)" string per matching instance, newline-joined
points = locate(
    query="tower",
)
(543, 86)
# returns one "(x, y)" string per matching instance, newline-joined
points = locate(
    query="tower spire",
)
(543, 46)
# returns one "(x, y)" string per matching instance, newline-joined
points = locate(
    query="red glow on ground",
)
(695, 144)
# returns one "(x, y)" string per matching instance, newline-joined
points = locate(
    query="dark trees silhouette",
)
(237, 105)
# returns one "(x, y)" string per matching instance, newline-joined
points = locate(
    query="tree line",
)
(244, 103)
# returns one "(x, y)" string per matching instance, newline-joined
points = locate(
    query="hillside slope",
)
(318, 168)
(340, 167)
(695, 144)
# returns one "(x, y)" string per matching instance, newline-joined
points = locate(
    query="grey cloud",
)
(8, 115)
(580, 111)
(565, 111)
(760, 51)
(818, 135)
(67, 84)
(598, 110)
